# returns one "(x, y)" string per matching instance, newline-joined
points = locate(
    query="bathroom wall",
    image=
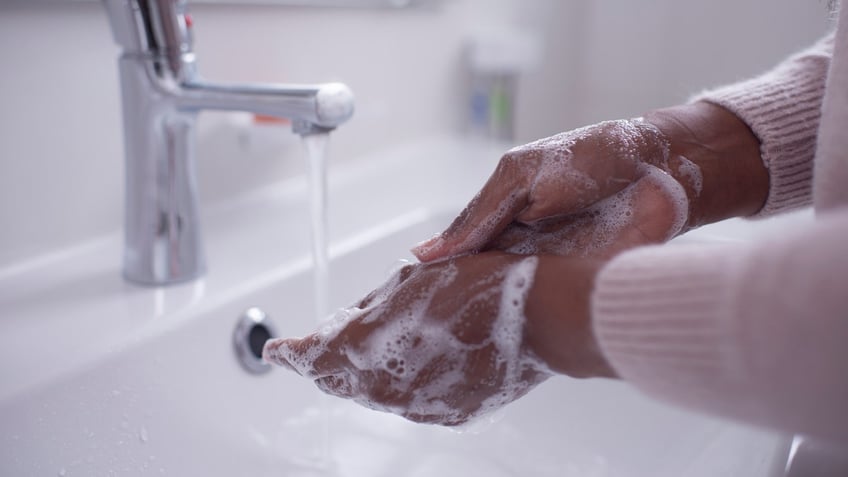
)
(619, 58)
(61, 180)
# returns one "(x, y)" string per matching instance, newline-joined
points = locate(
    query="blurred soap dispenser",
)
(496, 61)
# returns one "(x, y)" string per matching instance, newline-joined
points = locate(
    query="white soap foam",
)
(551, 161)
(676, 194)
(552, 175)
(411, 342)
(414, 341)
(582, 235)
(690, 172)
(507, 335)
(593, 231)
(483, 231)
(590, 232)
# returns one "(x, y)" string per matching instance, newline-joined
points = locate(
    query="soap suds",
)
(427, 364)
(483, 231)
(690, 172)
(507, 336)
(600, 228)
(674, 192)
(575, 173)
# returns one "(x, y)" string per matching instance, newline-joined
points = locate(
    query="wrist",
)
(716, 157)
(559, 328)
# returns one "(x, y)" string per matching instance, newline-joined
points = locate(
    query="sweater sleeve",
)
(756, 332)
(783, 107)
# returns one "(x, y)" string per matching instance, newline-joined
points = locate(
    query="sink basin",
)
(105, 378)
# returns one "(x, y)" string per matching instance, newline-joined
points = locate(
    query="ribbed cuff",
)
(783, 109)
(660, 316)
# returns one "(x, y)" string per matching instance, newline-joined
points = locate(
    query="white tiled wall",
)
(61, 170)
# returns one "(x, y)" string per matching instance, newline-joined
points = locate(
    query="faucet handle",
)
(127, 24)
(161, 28)
(169, 26)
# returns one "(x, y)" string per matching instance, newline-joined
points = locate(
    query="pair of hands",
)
(501, 299)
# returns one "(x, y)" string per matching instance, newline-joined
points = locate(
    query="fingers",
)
(502, 198)
(336, 385)
(309, 356)
(375, 389)
(564, 174)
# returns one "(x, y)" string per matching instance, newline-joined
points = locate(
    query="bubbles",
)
(676, 194)
(584, 234)
(333, 325)
(691, 173)
(507, 336)
(600, 229)
(482, 232)
(422, 358)
(556, 169)
(406, 344)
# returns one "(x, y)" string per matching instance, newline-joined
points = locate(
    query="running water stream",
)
(316, 152)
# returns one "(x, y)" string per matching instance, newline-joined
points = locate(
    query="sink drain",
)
(252, 331)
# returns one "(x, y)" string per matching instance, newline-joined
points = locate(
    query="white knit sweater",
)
(759, 331)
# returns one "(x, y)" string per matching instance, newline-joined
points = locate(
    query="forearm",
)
(558, 329)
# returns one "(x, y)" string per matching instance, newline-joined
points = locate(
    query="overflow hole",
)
(252, 330)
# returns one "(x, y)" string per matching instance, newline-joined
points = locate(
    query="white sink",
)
(100, 377)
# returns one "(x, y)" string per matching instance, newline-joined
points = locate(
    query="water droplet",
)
(62, 472)
(142, 434)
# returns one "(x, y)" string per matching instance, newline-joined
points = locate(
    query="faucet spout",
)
(324, 106)
(161, 95)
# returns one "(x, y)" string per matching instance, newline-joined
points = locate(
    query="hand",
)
(588, 192)
(601, 189)
(650, 210)
(446, 342)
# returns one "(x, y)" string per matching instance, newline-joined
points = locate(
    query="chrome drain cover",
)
(253, 329)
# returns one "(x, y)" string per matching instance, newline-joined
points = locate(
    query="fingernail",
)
(423, 249)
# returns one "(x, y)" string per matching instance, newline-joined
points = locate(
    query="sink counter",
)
(102, 377)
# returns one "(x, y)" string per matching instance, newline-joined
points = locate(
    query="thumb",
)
(486, 216)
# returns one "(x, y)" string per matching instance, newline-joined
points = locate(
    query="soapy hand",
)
(447, 342)
(589, 192)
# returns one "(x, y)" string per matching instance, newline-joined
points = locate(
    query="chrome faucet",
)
(162, 94)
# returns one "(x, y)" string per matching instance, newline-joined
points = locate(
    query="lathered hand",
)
(588, 192)
(447, 342)
(601, 189)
